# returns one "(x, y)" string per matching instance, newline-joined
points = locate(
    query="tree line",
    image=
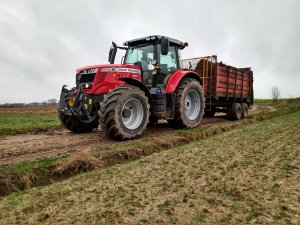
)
(49, 102)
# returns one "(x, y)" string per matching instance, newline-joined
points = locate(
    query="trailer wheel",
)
(234, 111)
(189, 104)
(124, 113)
(245, 110)
(77, 125)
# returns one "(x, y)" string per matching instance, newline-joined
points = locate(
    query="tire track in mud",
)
(16, 148)
(32, 146)
(62, 142)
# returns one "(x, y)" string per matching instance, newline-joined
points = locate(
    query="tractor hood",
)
(109, 68)
(98, 79)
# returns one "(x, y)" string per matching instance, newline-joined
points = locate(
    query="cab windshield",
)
(141, 56)
(153, 75)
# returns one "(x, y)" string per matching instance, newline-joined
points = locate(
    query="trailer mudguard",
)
(175, 79)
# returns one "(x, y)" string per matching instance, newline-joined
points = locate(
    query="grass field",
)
(249, 175)
(22, 119)
(16, 120)
(269, 101)
(261, 101)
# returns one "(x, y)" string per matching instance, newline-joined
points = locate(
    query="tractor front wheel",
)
(124, 113)
(189, 105)
(78, 125)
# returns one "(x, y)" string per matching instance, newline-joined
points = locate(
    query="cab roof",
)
(155, 38)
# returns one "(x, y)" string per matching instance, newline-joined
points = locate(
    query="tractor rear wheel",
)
(189, 104)
(245, 110)
(77, 125)
(234, 111)
(124, 113)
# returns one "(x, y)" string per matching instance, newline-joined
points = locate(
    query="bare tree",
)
(275, 93)
(52, 101)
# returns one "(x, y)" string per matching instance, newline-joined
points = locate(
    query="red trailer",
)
(226, 88)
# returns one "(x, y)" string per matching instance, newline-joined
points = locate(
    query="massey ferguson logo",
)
(121, 70)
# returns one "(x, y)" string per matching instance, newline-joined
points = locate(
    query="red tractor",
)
(150, 84)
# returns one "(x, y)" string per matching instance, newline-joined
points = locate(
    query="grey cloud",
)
(43, 42)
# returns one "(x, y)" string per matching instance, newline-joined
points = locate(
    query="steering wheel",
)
(148, 60)
(145, 62)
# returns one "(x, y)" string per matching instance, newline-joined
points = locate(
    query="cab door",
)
(167, 65)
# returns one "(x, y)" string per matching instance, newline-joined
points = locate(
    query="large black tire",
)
(184, 101)
(76, 125)
(245, 110)
(115, 110)
(234, 111)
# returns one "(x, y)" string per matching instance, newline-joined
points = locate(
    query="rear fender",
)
(177, 77)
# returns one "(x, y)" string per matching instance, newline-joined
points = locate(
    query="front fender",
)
(175, 79)
(138, 84)
(104, 87)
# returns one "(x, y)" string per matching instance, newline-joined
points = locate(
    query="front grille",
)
(84, 78)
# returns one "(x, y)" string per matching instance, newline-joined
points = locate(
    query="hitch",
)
(76, 105)
(86, 104)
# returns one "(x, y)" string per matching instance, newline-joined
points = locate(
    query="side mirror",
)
(164, 46)
(110, 53)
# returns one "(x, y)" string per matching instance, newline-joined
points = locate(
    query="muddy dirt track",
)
(16, 148)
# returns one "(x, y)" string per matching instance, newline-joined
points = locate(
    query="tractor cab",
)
(157, 56)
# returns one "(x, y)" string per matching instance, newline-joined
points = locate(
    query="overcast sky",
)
(42, 42)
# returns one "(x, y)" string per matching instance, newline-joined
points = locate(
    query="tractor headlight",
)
(87, 85)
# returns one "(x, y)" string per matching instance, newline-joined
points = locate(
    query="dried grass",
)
(78, 162)
(11, 182)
